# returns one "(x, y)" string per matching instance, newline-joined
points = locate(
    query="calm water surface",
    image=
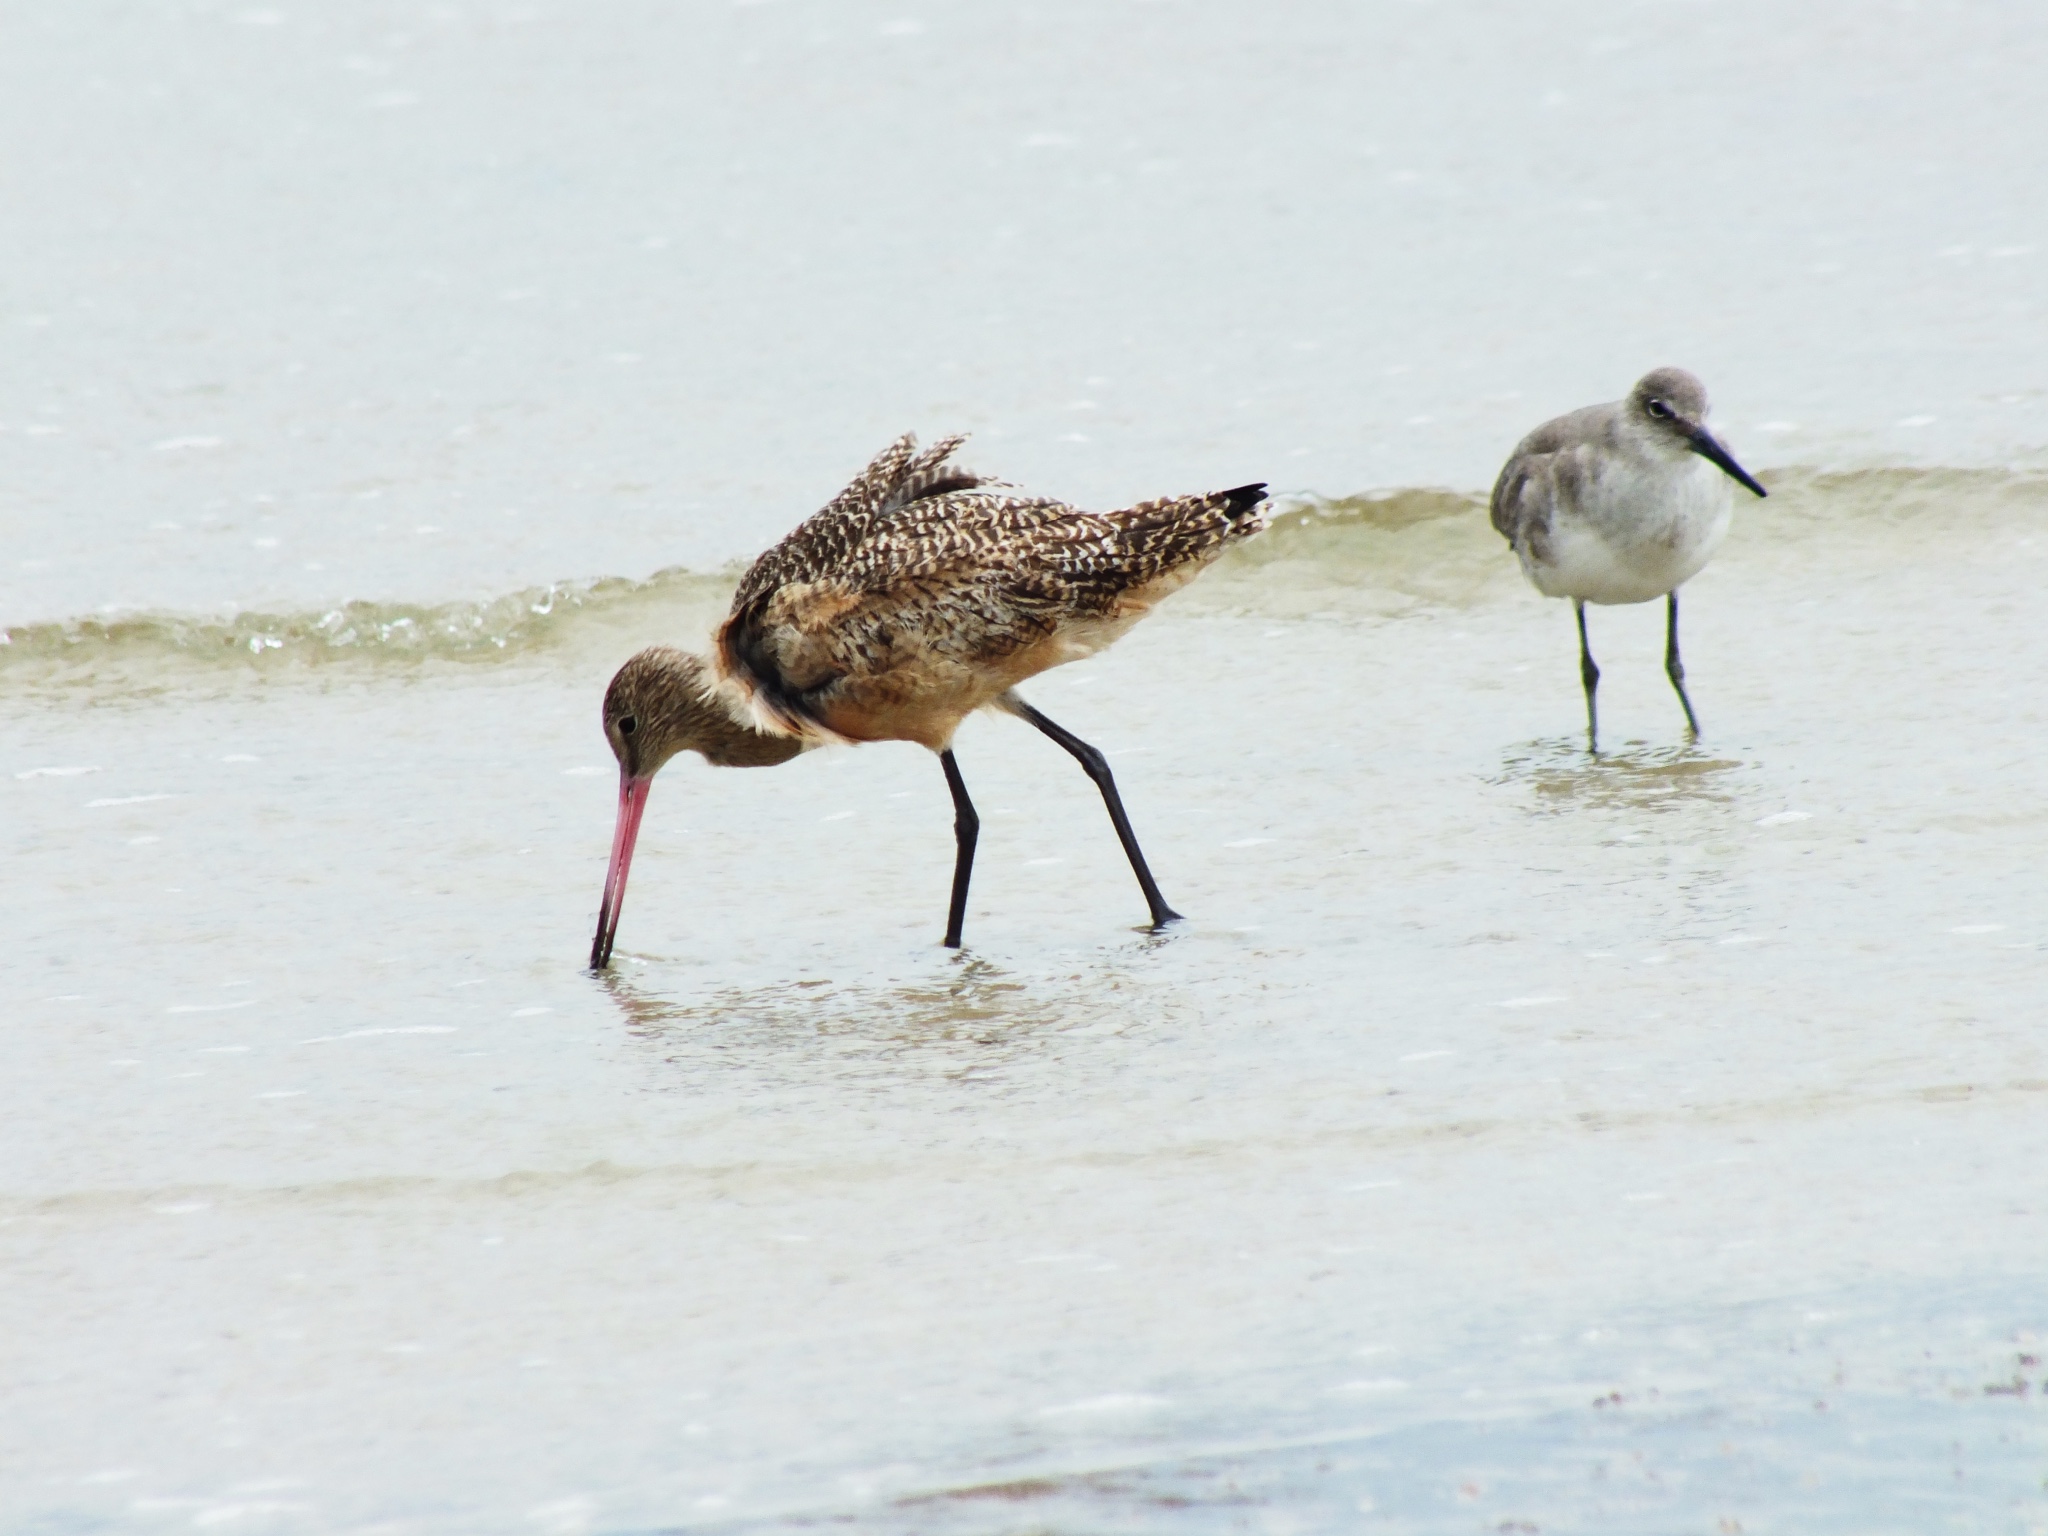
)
(1508, 1141)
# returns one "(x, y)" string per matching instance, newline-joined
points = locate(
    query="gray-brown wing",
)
(1524, 494)
(1506, 505)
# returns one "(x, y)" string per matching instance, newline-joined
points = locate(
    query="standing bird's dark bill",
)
(632, 804)
(1708, 447)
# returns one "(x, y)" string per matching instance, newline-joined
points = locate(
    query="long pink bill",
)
(632, 803)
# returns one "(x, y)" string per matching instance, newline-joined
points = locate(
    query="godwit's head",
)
(661, 702)
(1668, 406)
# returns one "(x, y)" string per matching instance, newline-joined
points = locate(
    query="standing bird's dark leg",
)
(1675, 669)
(966, 829)
(1589, 674)
(1096, 766)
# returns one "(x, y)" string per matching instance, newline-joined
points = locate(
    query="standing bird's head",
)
(661, 702)
(1669, 406)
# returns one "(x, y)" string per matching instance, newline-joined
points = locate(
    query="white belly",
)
(1637, 532)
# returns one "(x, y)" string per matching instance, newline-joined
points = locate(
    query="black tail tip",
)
(1242, 499)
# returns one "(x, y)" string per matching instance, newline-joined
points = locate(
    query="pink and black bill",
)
(632, 805)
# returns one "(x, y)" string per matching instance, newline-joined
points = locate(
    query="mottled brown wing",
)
(897, 477)
(951, 584)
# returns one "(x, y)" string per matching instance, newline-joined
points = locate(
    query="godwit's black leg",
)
(1096, 766)
(1589, 674)
(966, 828)
(1675, 669)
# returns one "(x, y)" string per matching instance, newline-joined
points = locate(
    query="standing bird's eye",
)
(1659, 409)
(628, 725)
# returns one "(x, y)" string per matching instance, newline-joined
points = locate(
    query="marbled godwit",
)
(922, 593)
(1621, 503)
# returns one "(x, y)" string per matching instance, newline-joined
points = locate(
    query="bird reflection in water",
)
(1639, 777)
(974, 1004)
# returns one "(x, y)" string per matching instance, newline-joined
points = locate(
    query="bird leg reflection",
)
(1674, 668)
(966, 829)
(1096, 766)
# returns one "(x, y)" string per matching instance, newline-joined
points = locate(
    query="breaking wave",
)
(1379, 553)
(515, 624)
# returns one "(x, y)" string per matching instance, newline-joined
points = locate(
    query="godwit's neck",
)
(726, 733)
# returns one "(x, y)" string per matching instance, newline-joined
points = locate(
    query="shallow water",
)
(1508, 1141)
(1500, 1120)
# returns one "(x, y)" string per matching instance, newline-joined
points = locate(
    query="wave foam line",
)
(1387, 548)
(516, 622)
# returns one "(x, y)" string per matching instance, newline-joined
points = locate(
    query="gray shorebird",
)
(1621, 503)
(922, 593)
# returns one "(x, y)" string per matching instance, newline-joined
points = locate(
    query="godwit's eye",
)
(628, 725)
(1659, 409)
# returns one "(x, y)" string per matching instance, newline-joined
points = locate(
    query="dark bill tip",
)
(1708, 447)
(632, 803)
(607, 929)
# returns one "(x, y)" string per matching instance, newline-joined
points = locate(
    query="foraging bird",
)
(922, 593)
(1621, 503)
